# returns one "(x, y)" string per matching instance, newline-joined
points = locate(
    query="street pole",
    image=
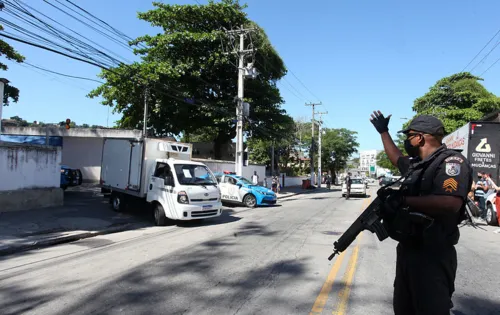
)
(3, 82)
(239, 108)
(311, 153)
(320, 123)
(145, 124)
(272, 160)
(242, 54)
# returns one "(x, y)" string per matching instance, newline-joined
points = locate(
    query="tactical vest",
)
(419, 182)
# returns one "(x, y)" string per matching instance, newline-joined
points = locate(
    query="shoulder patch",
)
(450, 185)
(452, 169)
(454, 158)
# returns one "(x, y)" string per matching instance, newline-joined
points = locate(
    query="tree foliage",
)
(343, 142)
(383, 160)
(6, 50)
(191, 81)
(456, 100)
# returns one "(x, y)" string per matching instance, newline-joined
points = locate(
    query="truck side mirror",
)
(169, 181)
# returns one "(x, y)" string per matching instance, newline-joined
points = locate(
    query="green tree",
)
(383, 160)
(456, 100)
(282, 139)
(10, 92)
(192, 82)
(343, 142)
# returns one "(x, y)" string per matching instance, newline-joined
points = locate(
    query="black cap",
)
(426, 124)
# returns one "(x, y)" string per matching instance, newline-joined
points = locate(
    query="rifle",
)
(369, 220)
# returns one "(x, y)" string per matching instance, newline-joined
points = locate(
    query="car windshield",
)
(357, 181)
(244, 180)
(190, 174)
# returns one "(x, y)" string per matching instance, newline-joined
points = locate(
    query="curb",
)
(60, 240)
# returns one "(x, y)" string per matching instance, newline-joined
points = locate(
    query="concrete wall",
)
(73, 132)
(29, 176)
(85, 154)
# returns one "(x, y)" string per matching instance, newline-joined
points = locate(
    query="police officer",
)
(435, 189)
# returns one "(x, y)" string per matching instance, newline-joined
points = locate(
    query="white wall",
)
(24, 166)
(85, 154)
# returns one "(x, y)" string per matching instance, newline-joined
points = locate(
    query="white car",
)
(358, 187)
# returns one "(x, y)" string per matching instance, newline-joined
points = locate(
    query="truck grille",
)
(197, 214)
(203, 200)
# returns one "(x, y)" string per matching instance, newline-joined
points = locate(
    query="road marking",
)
(320, 302)
(348, 277)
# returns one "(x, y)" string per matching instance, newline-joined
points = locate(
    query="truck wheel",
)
(491, 216)
(250, 201)
(117, 202)
(159, 213)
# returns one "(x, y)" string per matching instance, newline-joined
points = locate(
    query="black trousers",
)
(425, 281)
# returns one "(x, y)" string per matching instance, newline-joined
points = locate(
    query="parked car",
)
(493, 209)
(239, 190)
(70, 177)
(358, 187)
(385, 180)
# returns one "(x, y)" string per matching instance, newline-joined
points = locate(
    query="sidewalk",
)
(85, 213)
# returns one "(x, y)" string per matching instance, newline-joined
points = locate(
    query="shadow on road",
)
(198, 279)
(474, 305)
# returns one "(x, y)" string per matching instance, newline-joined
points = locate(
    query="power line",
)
(498, 32)
(486, 56)
(490, 67)
(62, 74)
(317, 98)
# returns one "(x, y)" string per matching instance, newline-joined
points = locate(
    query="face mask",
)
(411, 150)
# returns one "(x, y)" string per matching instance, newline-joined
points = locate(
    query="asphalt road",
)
(249, 261)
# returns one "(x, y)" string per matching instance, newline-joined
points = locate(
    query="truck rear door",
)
(134, 180)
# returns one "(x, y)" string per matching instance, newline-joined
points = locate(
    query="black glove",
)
(380, 122)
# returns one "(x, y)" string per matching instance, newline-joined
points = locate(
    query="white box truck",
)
(161, 173)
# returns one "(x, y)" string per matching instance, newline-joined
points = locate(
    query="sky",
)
(353, 56)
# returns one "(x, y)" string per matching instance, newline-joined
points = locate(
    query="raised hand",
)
(380, 122)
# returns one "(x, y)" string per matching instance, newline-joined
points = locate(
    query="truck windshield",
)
(189, 174)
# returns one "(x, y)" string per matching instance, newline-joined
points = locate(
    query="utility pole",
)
(248, 71)
(311, 152)
(320, 123)
(272, 160)
(145, 125)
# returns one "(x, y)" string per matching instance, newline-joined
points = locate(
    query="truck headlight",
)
(182, 197)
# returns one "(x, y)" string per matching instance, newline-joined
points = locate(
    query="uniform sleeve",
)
(453, 178)
(404, 164)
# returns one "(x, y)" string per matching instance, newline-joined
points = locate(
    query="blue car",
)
(70, 177)
(237, 189)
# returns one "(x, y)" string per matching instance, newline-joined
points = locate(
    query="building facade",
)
(368, 161)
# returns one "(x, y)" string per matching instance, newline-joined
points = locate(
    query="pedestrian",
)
(480, 190)
(435, 185)
(255, 178)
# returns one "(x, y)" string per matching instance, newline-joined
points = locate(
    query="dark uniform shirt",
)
(425, 271)
(451, 177)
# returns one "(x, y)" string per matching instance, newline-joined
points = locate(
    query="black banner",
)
(484, 148)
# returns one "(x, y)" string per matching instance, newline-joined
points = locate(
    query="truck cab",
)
(238, 189)
(183, 190)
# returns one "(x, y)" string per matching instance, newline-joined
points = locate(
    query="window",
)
(162, 170)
